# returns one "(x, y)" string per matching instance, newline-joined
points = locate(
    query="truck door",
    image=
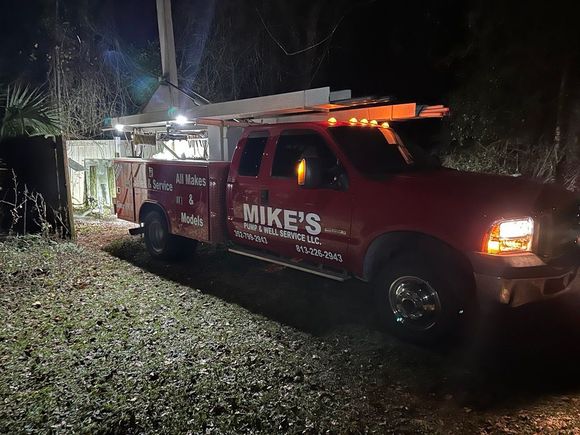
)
(243, 192)
(310, 224)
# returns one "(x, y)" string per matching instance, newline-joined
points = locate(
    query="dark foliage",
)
(508, 70)
(517, 101)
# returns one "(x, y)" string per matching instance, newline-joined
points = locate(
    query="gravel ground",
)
(98, 338)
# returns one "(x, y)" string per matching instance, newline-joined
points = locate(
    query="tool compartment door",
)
(124, 200)
(181, 189)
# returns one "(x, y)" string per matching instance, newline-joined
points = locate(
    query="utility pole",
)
(167, 45)
(57, 59)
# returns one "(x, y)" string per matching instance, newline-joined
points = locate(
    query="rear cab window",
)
(252, 155)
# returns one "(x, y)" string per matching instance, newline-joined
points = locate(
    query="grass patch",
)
(91, 343)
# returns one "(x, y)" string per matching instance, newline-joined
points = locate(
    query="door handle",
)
(264, 196)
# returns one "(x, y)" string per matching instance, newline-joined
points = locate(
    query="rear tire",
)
(163, 245)
(422, 298)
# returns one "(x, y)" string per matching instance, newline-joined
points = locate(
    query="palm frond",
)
(26, 111)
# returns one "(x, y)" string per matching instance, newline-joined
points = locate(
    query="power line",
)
(303, 50)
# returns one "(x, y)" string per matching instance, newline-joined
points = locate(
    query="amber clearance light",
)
(301, 172)
(509, 236)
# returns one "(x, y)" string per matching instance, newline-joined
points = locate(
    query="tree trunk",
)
(560, 130)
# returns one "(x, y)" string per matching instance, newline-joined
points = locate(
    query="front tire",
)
(422, 298)
(163, 245)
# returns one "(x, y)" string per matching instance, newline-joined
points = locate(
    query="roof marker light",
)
(353, 120)
(332, 120)
(374, 122)
(385, 125)
(364, 121)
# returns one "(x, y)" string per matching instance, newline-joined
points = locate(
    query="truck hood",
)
(490, 195)
(454, 206)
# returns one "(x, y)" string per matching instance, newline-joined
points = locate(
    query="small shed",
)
(90, 164)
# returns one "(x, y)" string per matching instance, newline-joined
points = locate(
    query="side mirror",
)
(308, 173)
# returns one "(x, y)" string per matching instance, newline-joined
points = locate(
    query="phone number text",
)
(252, 237)
(319, 253)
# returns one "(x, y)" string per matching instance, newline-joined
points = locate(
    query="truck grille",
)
(559, 231)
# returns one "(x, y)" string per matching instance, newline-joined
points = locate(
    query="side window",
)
(252, 156)
(294, 146)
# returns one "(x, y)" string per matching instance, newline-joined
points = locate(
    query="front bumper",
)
(520, 279)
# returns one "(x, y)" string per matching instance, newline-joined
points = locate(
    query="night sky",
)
(379, 48)
(413, 51)
(389, 48)
(24, 39)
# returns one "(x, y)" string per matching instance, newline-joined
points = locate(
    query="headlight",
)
(509, 236)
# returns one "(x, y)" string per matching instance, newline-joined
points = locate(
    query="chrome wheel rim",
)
(156, 236)
(414, 303)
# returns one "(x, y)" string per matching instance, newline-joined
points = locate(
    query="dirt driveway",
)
(99, 337)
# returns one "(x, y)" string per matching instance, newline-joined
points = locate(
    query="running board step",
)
(303, 267)
(136, 231)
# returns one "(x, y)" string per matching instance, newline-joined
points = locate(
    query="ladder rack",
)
(309, 105)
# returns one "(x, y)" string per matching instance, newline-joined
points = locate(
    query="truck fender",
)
(388, 245)
(149, 206)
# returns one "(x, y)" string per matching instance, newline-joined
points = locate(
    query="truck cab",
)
(310, 223)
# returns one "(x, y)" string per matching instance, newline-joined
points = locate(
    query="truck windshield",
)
(368, 150)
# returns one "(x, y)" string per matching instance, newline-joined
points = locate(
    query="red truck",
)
(344, 199)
